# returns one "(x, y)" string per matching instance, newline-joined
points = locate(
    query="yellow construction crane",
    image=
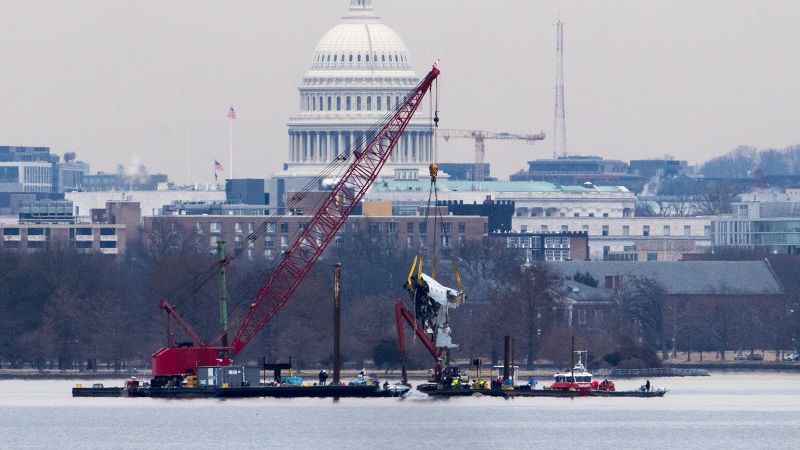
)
(480, 149)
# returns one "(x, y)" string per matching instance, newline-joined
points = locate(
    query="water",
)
(722, 411)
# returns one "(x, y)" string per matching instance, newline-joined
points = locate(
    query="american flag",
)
(232, 114)
(218, 165)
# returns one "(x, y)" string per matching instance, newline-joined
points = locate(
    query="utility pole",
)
(223, 293)
(337, 289)
(560, 132)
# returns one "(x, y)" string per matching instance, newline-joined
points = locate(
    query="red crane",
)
(296, 261)
(402, 313)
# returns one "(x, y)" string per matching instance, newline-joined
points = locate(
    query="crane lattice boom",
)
(480, 148)
(477, 134)
(298, 260)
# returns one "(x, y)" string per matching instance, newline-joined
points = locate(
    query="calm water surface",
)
(722, 411)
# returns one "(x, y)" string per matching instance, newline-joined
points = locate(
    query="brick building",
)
(409, 231)
(711, 281)
(105, 238)
(555, 246)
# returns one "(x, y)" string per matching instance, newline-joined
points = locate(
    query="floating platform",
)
(511, 393)
(80, 391)
(329, 391)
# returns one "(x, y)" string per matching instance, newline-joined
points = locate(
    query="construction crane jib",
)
(480, 148)
(298, 259)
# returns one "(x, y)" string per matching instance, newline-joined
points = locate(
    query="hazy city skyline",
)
(123, 81)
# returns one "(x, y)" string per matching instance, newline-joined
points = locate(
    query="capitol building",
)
(360, 71)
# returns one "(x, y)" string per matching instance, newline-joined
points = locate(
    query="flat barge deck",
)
(329, 391)
(511, 393)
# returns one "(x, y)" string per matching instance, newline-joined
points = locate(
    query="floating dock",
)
(328, 391)
(511, 393)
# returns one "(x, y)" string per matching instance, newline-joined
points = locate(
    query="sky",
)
(150, 81)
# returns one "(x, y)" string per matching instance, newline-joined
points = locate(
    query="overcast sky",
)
(119, 81)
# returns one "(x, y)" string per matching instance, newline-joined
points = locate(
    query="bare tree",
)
(644, 303)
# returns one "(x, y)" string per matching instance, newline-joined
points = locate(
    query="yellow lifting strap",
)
(455, 271)
(411, 272)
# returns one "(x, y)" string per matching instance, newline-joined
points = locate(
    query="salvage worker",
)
(647, 386)
(455, 383)
(323, 377)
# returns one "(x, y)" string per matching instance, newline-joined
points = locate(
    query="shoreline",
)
(716, 367)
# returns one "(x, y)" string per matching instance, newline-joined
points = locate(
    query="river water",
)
(760, 410)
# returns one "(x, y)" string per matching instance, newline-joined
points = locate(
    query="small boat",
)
(635, 393)
(579, 379)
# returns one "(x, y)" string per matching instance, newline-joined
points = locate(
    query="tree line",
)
(65, 310)
(749, 162)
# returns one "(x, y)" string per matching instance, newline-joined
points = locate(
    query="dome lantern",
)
(360, 4)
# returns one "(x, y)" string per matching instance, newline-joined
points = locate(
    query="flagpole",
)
(188, 158)
(230, 162)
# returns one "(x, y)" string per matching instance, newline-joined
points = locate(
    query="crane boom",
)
(328, 218)
(298, 260)
(480, 149)
(401, 313)
(478, 134)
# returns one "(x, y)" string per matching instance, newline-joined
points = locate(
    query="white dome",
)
(359, 73)
(361, 42)
(361, 45)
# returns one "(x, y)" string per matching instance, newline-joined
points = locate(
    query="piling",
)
(337, 288)
(506, 353)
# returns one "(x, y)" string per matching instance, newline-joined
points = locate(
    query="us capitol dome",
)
(359, 72)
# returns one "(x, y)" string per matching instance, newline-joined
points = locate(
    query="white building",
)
(360, 71)
(26, 176)
(658, 238)
(532, 199)
(765, 221)
(151, 201)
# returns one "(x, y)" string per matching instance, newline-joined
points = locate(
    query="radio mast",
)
(560, 132)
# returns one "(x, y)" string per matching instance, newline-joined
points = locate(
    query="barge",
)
(517, 392)
(243, 382)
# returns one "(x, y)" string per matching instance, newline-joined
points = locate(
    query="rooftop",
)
(490, 186)
(687, 277)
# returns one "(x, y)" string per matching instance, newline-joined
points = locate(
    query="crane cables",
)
(433, 194)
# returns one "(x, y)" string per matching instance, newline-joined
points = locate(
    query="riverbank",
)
(543, 371)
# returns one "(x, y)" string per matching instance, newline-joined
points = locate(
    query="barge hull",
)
(508, 393)
(331, 391)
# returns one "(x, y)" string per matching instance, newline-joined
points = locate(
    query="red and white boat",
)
(579, 379)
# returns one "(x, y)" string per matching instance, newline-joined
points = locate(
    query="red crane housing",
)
(299, 258)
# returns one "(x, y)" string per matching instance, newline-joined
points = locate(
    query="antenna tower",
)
(560, 132)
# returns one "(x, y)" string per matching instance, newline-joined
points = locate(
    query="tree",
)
(585, 278)
(525, 307)
(643, 302)
(738, 163)
(484, 265)
(717, 198)
(386, 354)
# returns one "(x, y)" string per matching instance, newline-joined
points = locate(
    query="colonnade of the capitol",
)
(324, 146)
